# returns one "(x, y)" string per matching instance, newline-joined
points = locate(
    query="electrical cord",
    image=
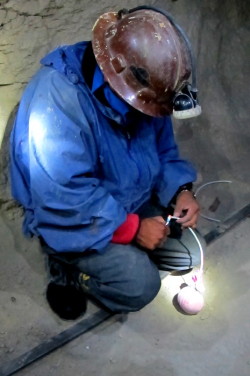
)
(203, 186)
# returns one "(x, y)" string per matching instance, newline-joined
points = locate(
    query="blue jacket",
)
(79, 167)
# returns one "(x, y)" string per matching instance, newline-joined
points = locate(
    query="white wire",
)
(196, 238)
(200, 247)
(211, 219)
(210, 182)
(203, 186)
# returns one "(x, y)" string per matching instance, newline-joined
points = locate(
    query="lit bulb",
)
(190, 300)
(198, 282)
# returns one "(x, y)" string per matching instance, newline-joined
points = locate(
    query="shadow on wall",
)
(6, 200)
(11, 214)
(196, 139)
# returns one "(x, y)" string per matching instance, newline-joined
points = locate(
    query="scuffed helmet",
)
(143, 58)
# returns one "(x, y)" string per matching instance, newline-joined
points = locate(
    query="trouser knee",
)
(123, 279)
(146, 288)
(130, 286)
(180, 254)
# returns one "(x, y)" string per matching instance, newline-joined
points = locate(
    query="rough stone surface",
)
(156, 341)
(219, 35)
(159, 340)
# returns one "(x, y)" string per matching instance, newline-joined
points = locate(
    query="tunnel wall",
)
(217, 141)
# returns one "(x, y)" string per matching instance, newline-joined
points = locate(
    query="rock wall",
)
(217, 141)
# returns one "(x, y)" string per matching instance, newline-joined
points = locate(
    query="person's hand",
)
(187, 208)
(152, 232)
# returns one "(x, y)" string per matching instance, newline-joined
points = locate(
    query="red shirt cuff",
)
(125, 233)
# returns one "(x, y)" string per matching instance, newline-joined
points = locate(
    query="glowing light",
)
(190, 300)
(173, 282)
(37, 129)
(189, 297)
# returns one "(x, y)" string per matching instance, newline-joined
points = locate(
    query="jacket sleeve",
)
(72, 211)
(175, 171)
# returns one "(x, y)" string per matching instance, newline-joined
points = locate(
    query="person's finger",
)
(162, 242)
(167, 230)
(191, 223)
(190, 214)
(188, 224)
(187, 217)
(159, 219)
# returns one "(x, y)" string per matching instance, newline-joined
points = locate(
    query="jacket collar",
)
(68, 61)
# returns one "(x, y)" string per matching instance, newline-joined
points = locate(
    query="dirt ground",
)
(159, 340)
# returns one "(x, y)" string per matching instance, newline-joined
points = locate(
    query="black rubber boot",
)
(67, 301)
(64, 295)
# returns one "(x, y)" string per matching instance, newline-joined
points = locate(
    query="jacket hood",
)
(68, 61)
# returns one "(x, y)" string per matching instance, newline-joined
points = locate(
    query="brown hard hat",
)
(143, 57)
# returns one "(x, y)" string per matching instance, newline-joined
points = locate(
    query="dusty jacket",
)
(77, 166)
